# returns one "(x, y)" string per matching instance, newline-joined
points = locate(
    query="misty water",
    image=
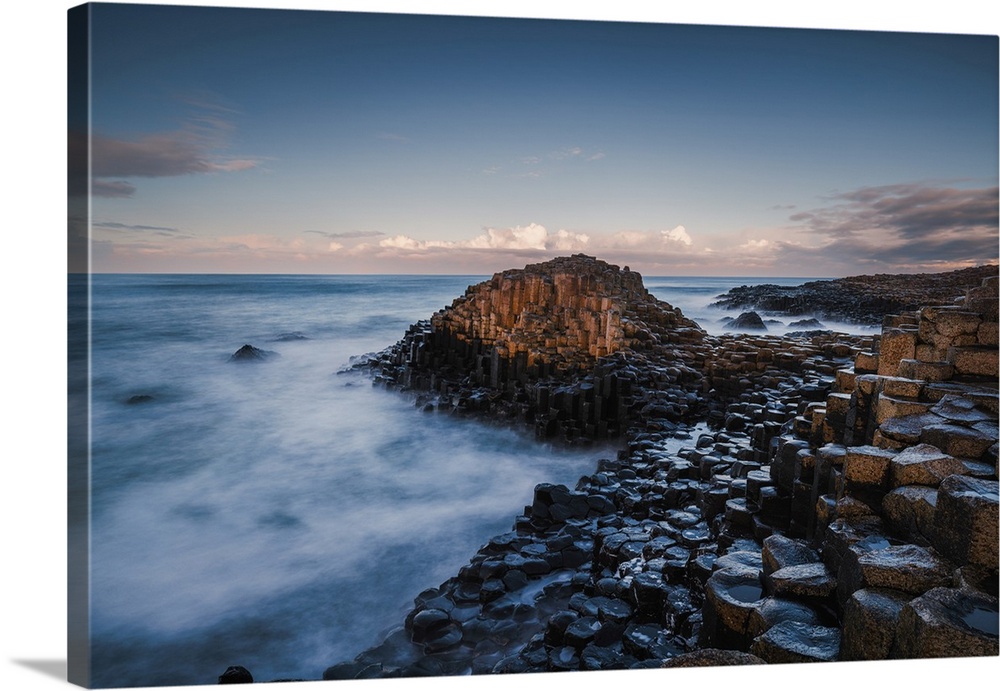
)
(279, 515)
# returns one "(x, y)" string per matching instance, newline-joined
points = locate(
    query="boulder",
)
(965, 522)
(948, 622)
(869, 625)
(748, 321)
(248, 353)
(792, 641)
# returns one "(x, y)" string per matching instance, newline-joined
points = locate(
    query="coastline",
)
(555, 528)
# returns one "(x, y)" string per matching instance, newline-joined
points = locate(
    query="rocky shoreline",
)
(776, 499)
(856, 299)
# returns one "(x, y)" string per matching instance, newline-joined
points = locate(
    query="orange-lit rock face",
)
(567, 310)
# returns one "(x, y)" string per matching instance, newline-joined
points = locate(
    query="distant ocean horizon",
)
(279, 515)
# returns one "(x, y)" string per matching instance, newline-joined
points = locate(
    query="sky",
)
(303, 141)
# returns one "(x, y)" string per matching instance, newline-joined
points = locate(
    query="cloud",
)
(349, 235)
(912, 225)
(678, 234)
(108, 188)
(109, 225)
(533, 237)
(164, 154)
(196, 148)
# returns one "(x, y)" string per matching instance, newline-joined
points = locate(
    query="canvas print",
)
(414, 345)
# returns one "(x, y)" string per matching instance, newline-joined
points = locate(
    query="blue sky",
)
(301, 141)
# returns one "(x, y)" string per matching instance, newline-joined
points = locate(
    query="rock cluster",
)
(840, 504)
(857, 299)
(572, 346)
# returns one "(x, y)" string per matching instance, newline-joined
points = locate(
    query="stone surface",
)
(924, 464)
(871, 616)
(965, 522)
(792, 642)
(948, 622)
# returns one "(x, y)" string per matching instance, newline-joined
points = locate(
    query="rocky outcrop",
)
(858, 299)
(573, 346)
(249, 353)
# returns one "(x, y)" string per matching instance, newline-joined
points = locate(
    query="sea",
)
(283, 515)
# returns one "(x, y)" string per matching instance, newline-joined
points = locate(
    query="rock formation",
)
(858, 299)
(566, 345)
(841, 504)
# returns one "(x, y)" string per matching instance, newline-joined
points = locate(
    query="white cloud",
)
(678, 234)
(530, 237)
(334, 246)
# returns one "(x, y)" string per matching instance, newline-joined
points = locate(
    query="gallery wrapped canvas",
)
(432, 346)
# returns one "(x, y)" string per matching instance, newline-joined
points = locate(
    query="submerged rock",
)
(748, 321)
(248, 353)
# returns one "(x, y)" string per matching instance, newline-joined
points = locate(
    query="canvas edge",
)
(78, 346)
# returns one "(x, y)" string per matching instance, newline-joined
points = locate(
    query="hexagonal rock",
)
(807, 581)
(792, 641)
(907, 429)
(843, 534)
(774, 610)
(964, 442)
(741, 561)
(948, 622)
(895, 345)
(909, 513)
(908, 568)
(974, 360)
(867, 466)
(892, 406)
(924, 465)
(869, 624)
(779, 551)
(730, 597)
(959, 409)
(965, 522)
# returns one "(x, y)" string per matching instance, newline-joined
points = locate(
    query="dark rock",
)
(236, 675)
(871, 617)
(966, 519)
(748, 321)
(139, 398)
(248, 353)
(811, 323)
(792, 641)
(948, 622)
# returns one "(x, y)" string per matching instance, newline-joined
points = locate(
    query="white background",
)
(33, 318)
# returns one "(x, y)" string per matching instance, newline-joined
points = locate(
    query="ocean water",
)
(278, 515)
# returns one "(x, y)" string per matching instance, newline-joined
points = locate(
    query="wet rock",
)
(748, 321)
(965, 522)
(248, 353)
(811, 323)
(964, 442)
(907, 568)
(792, 641)
(924, 464)
(806, 581)
(909, 513)
(730, 597)
(948, 622)
(871, 616)
(780, 551)
(774, 610)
